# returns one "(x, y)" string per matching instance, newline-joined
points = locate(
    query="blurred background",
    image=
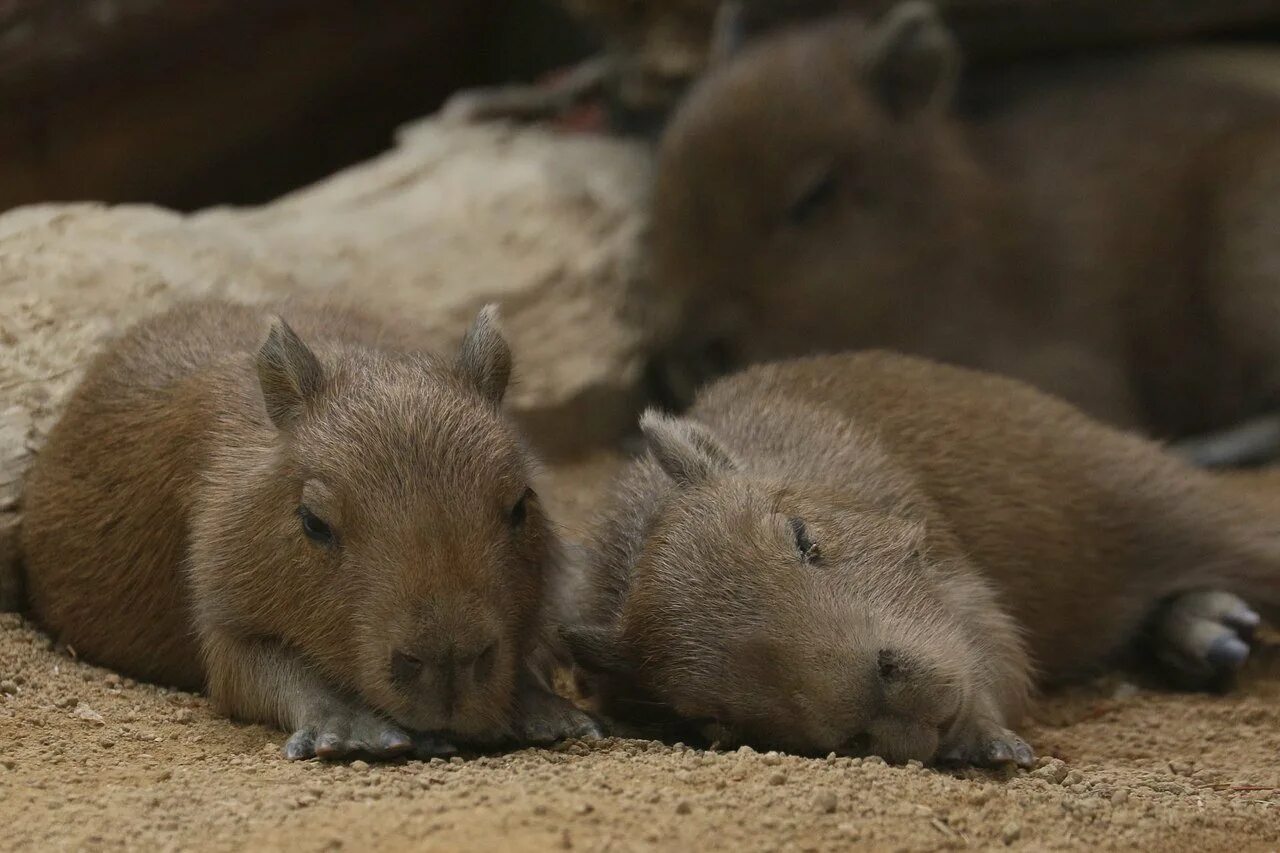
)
(189, 103)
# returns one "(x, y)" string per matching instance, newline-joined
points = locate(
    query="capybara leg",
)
(1202, 637)
(266, 682)
(544, 716)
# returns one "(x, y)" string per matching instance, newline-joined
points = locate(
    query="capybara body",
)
(341, 540)
(880, 553)
(1103, 229)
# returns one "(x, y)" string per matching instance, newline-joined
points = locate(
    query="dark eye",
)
(808, 549)
(520, 511)
(814, 198)
(315, 529)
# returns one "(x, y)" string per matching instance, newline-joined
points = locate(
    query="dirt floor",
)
(91, 760)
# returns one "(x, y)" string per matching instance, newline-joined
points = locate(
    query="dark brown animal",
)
(878, 553)
(342, 541)
(1105, 230)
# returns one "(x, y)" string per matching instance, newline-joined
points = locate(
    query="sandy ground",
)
(91, 760)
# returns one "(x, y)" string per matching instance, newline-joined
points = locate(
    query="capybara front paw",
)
(547, 717)
(991, 745)
(1203, 637)
(348, 734)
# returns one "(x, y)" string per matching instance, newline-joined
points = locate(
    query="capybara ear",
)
(911, 60)
(485, 358)
(686, 450)
(728, 32)
(594, 648)
(289, 374)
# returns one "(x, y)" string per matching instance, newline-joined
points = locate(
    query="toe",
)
(301, 745)
(1023, 754)
(998, 752)
(392, 742)
(1227, 653)
(334, 739)
(1242, 620)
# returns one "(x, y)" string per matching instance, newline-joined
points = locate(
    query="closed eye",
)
(808, 548)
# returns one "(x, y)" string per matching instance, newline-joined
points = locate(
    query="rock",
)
(1119, 797)
(359, 765)
(1011, 832)
(825, 802)
(1053, 772)
(84, 712)
(683, 807)
(8, 688)
(546, 225)
(777, 779)
(772, 759)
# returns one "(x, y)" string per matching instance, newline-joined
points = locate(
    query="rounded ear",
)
(686, 450)
(911, 60)
(728, 32)
(594, 648)
(289, 374)
(484, 358)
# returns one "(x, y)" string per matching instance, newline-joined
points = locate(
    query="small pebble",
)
(772, 759)
(1011, 832)
(825, 802)
(112, 680)
(359, 765)
(8, 763)
(683, 807)
(106, 741)
(9, 688)
(163, 776)
(777, 779)
(1055, 771)
(1120, 797)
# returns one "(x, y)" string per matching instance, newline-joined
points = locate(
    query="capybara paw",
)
(991, 746)
(1203, 637)
(348, 734)
(547, 718)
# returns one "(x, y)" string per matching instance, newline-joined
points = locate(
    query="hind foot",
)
(1202, 638)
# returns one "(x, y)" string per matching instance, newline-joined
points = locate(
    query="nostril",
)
(485, 661)
(404, 667)
(888, 665)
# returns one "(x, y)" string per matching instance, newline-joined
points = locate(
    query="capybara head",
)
(382, 522)
(808, 185)
(782, 614)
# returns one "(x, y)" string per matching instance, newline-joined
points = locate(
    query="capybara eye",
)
(520, 511)
(808, 549)
(315, 529)
(816, 197)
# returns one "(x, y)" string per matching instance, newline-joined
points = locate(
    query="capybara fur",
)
(331, 530)
(1104, 229)
(882, 554)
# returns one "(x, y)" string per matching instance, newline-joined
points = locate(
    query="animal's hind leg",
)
(1202, 638)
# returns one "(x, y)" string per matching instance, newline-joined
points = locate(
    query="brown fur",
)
(1105, 231)
(162, 531)
(964, 537)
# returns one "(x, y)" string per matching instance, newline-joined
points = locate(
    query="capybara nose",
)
(446, 668)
